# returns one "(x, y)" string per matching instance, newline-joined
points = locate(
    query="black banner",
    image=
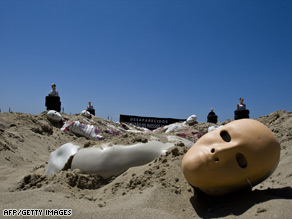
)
(148, 122)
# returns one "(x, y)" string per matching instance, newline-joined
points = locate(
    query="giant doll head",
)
(240, 154)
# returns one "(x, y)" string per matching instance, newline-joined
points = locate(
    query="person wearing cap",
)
(54, 91)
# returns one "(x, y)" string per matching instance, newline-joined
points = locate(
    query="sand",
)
(154, 190)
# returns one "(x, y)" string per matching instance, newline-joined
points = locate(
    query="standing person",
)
(211, 113)
(241, 112)
(212, 117)
(54, 92)
(89, 107)
(53, 100)
(241, 105)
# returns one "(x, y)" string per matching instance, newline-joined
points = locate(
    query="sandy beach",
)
(155, 190)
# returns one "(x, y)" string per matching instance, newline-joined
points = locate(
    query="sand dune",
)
(154, 190)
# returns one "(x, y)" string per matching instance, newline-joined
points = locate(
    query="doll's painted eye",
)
(225, 136)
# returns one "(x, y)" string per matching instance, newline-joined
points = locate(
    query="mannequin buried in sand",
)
(238, 155)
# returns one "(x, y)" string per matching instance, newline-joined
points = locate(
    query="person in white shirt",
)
(241, 105)
(89, 107)
(54, 91)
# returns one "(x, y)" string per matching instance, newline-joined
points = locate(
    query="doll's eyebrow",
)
(225, 136)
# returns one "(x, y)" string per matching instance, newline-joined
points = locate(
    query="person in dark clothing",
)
(212, 117)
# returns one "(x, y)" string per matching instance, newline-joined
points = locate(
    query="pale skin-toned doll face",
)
(237, 155)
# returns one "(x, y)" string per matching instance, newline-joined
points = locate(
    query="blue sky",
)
(159, 58)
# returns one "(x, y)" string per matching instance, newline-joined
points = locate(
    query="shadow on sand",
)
(235, 203)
